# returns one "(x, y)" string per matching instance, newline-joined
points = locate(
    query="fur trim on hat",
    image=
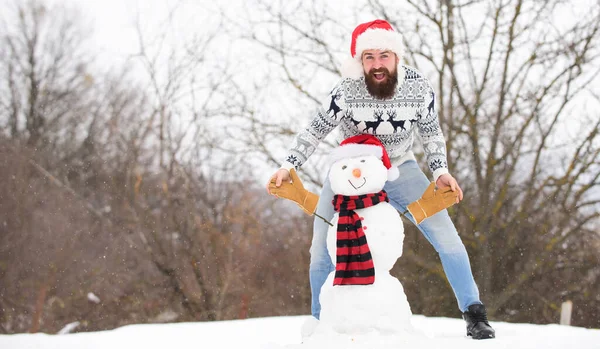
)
(352, 150)
(379, 39)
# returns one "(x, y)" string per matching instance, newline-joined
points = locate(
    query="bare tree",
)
(201, 233)
(45, 75)
(129, 194)
(43, 96)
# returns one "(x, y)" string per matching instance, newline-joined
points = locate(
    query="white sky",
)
(113, 21)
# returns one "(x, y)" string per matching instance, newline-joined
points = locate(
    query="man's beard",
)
(382, 90)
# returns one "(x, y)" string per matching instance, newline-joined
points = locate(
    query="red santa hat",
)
(361, 145)
(375, 35)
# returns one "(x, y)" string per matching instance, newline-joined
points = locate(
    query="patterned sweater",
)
(393, 121)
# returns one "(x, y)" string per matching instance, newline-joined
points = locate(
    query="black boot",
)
(477, 323)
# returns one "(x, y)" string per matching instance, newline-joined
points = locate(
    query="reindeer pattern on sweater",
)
(394, 121)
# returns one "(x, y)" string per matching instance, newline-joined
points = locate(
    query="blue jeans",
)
(437, 229)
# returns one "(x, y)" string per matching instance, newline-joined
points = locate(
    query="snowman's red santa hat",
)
(375, 35)
(363, 145)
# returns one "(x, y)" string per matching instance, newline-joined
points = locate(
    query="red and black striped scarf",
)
(354, 265)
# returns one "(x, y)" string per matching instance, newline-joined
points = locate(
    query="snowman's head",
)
(358, 175)
(360, 165)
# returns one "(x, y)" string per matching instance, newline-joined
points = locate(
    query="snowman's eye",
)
(363, 160)
(344, 167)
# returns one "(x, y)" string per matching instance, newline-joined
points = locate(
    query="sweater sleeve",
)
(431, 134)
(328, 117)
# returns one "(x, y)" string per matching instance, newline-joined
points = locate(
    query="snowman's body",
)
(382, 306)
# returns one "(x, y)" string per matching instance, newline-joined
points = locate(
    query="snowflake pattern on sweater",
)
(394, 121)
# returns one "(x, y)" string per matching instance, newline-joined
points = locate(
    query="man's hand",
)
(294, 191)
(432, 202)
(282, 175)
(446, 180)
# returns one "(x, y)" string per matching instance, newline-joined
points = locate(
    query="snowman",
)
(361, 303)
(360, 296)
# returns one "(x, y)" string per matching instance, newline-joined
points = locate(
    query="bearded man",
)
(379, 95)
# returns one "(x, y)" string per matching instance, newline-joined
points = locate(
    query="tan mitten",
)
(295, 191)
(432, 202)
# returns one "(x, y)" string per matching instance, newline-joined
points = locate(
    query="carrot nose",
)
(356, 172)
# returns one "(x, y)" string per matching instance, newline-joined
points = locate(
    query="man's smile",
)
(379, 76)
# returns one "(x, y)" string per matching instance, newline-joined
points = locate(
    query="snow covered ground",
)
(284, 333)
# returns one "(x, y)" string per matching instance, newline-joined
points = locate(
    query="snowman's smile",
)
(360, 186)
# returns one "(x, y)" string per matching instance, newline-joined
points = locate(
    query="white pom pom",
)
(393, 173)
(352, 68)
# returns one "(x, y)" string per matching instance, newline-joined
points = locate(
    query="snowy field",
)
(284, 332)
